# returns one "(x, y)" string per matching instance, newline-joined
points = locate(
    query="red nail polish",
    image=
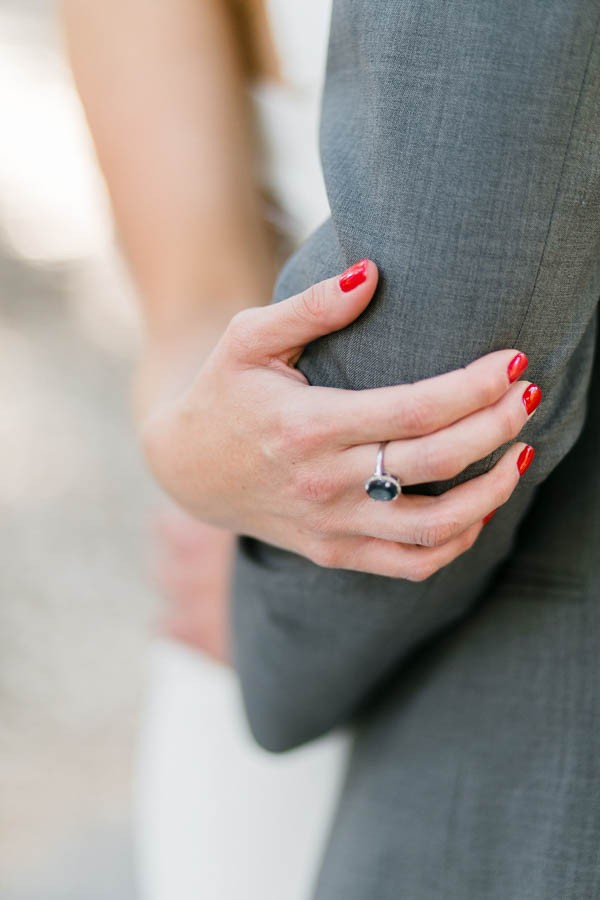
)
(531, 398)
(489, 516)
(517, 365)
(354, 276)
(525, 459)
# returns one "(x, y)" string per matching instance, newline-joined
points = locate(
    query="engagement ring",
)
(381, 485)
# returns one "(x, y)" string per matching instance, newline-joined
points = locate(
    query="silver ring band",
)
(382, 485)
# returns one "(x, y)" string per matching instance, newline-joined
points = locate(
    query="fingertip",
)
(357, 274)
(532, 397)
(517, 364)
(514, 451)
(526, 457)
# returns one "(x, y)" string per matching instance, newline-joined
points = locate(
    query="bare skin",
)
(230, 428)
(192, 569)
(248, 445)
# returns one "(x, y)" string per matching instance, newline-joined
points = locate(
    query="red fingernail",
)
(490, 516)
(531, 398)
(517, 365)
(354, 276)
(525, 459)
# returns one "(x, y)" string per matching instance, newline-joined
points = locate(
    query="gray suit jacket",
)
(461, 150)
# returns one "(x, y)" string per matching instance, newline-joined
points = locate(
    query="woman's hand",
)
(250, 446)
(192, 570)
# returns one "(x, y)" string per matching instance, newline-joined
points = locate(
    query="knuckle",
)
(298, 433)
(244, 321)
(325, 554)
(511, 420)
(419, 413)
(437, 532)
(503, 490)
(466, 541)
(419, 571)
(436, 462)
(315, 489)
(306, 426)
(311, 304)
(241, 333)
(491, 384)
(490, 388)
(414, 575)
(308, 421)
(472, 537)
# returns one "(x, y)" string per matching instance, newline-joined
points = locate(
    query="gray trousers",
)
(460, 144)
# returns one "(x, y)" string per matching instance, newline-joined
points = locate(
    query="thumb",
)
(284, 328)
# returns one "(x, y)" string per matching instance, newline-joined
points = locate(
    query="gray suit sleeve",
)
(460, 151)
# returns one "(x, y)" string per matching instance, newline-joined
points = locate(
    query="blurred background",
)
(76, 613)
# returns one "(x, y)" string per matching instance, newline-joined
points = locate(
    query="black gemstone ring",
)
(381, 485)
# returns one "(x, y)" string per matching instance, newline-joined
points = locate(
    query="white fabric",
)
(289, 112)
(217, 818)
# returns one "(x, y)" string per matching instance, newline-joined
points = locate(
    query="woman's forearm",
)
(163, 93)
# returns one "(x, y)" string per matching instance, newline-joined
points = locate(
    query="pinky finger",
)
(412, 563)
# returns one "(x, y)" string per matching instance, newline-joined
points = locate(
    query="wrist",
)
(167, 366)
(175, 348)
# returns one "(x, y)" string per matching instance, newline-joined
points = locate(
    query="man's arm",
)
(460, 149)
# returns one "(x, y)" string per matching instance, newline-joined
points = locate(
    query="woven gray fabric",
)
(461, 151)
(476, 774)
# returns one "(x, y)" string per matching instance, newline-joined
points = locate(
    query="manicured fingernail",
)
(517, 365)
(525, 459)
(354, 276)
(490, 516)
(531, 398)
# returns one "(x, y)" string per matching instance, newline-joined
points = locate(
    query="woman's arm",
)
(237, 436)
(164, 96)
(162, 88)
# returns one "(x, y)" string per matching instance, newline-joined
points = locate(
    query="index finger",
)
(411, 410)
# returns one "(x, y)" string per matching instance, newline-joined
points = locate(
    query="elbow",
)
(276, 721)
(281, 659)
(274, 736)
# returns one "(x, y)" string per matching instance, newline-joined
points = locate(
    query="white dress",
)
(218, 818)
